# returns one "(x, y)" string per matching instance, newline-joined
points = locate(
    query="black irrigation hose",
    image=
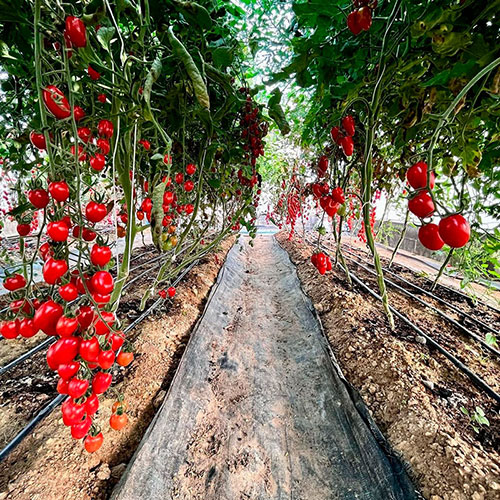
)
(462, 328)
(457, 310)
(26, 355)
(47, 410)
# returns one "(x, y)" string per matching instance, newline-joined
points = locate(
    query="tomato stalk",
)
(401, 238)
(442, 268)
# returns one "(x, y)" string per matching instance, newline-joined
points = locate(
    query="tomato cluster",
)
(454, 230)
(360, 19)
(321, 262)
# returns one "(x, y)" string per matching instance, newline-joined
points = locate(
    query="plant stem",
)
(401, 238)
(442, 268)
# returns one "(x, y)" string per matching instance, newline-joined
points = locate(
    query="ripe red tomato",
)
(147, 205)
(62, 352)
(62, 386)
(98, 162)
(38, 140)
(188, 186)
(101, 382)
(417, 176)
(168, 197)
(338, 195)
(105, 129)
(103, 145)
(95, 212)
(429, 237)
(91, 404)
(353, 23)
(77, 387)
(454, 230)
(167, 159)
(68, 292)
(106, 359)
(171, 292)
(101, 98)
(53, 270)
(14, 282)
(39, 198)
(27, 328)
(78, 113)
(336, 134)
(190, 169)
(145, 144)
(124, 358)
(47, 316)
(189, 208)
(118, 422)
(56, 102)
(349, 125)
(116, 339)
(66, 326)
(59, 190)
(93, 443)
(90, 349)
(95, 75)
(85, 134)
(72, 412)
(76, 31)
(68, 370)
(140, 214)
(23, 229)
(102, 282)
(58, 230)
(80, 430)
(86, 316)
(100, 255)
(365, 18)
(179, 178)
(421, 205)
(347, 145)
(10, 329)
(101, 326)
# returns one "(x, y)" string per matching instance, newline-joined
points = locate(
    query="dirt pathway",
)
(257, 410)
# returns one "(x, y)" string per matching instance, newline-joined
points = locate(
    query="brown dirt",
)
(50, 465)
(424, 423)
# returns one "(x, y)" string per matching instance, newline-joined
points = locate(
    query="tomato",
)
(62, 386)
(10, 329)
(77, 387)
(56, 102)
(101, 299)
(90, 349)
(106, 359)
(189, 208)
(85, 134)
(47, 316)
(323, 163)
(140, 214)
(105, 129)
(80, 430)
(121, 231)
(86, 316)
(102, 325)
(417, 176)
(454, 230)
(353, 23)
(118, 422)
(45, 250)
(145, 144)
(95, 212)
(53, 270)
(188, 186)
(92, 404)
(23, 229)
(338, 195)
(98, 162)
(349, 125)
(190, 169)
(100, 255)
(102, 282)
(95, 75)
(39, 198)
(364, 18)
(15, 282)
(76, 31)
(421, 205)
(93, 443)
(167, 159)
(124, 358)
(116, 339)
(58, 230)
(79, 114)
(16, 305)
(101, 382)
(168, 197)
(72, 412)
(68, 292)
(347, 145)
(62, 352)
(179, 178)
(429, 237)
(335, 133)
(38, 140)
(101, 98)
(27, 328)
(103, 145)
(171, 292)
(87, 234)
(59, 190)
(66, 326)
(68, 370)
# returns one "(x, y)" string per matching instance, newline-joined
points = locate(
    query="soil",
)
(49, 464)
(415, 395)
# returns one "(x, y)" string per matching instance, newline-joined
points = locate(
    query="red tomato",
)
(58, 230)
(27, 328)
(91, 404)
(56, 102)
(188, 186)
(77, 387)
(190, 169)
(98, 162)
(72, 412)
(68, 370)
(147, 205)
(429, 237)
(59, 190)
(23, 229)
(86, 316)
(171, 292)
(95, 75)
(78, 113)
(145, 144)
(53, 270)
(353, 23)
(116, 339)
(93, 443)
(421, 205)
(102, 325)
(95, 212)
(62, 352)
(140, 214)
(101, 382)
(335, 133)
(417, 176)
(106, 359)
(118, 422)
(39, 198)
(338, 195)
(47, 316)
(365, 18)
(65, 326)
(168, 197)
(38, 140)
(101, 98)
(90, 349)
(189, 208)
(103, 145)
(85, 134)
(100, 255)
(347, 145)
(10, 329)
(124, 358)
(179, 178)
(105, 129)
(454, 230)
(80, 430)
(102, 282)
(167, 159)
(76, 31)
(62, 386)
(14, 282)
(68, 292)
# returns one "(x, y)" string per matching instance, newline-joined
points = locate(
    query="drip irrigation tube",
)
(26, 355)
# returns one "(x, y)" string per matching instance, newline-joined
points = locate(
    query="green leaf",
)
(105, 35)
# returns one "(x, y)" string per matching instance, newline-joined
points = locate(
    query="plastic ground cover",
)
(258, 408)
